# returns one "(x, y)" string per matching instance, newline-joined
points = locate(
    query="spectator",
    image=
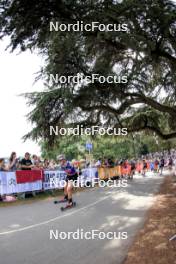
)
(46, 164)
(82, 164)
(52, 165)
(170, 164)
(156, 165)
(35, 160)
(110, 163)
(161, 165)
(98, 163)
(144, 169)
(2, 168)
(13, 162)
(26, 163)
(37, 164)
(2, 165)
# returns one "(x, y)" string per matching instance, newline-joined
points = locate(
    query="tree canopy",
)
(145, 53)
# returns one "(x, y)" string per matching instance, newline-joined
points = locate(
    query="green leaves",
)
(146, 54)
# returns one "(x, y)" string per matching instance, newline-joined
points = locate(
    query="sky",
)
(17, 75)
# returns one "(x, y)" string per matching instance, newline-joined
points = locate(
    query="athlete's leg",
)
(65, 191)
(70, 191)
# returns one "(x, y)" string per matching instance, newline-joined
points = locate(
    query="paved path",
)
(25, 229)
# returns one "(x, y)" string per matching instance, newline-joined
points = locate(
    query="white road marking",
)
(53, 219)
(59, 217)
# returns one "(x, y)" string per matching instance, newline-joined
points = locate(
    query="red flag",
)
(26, 176)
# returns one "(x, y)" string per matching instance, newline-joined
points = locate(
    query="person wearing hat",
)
(71, 176)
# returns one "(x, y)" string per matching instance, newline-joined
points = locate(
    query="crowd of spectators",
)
(151, 162)
(28, 162)
(157, 162)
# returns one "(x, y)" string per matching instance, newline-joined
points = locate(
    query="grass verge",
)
(47, 195)
(152, 245)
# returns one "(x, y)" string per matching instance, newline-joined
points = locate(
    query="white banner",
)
(8, 184)
(89, 175)
(54, 179)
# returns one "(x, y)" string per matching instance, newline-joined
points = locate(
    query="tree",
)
(146, 54)
(106, 147)
(144, 149)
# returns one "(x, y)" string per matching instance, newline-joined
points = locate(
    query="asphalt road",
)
(25, 229)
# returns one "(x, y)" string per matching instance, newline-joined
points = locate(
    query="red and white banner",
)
(37, 180)
(20, 181)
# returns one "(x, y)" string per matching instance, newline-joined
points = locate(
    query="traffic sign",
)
(89, 146)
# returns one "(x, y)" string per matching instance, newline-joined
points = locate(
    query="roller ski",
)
(68, 206)
(61, 201)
